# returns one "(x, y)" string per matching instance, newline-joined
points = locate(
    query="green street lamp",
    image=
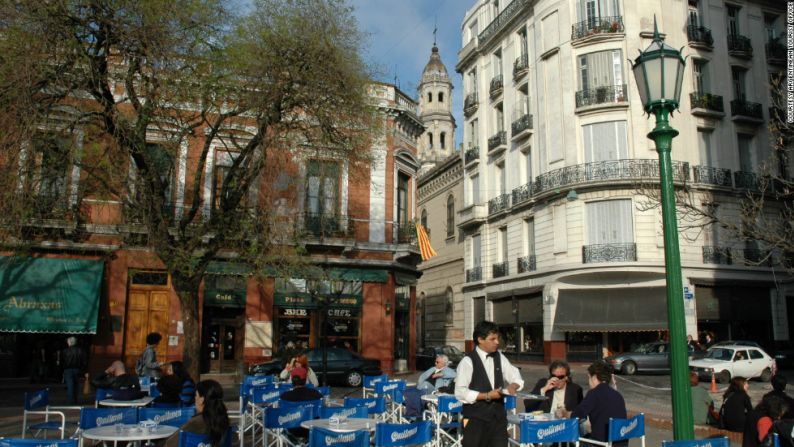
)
(659, 72)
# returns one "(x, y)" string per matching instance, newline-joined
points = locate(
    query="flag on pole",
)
(424, 243)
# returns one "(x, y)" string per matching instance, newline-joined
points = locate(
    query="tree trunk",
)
(188, 291)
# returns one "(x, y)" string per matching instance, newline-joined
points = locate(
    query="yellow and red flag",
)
(424, 243)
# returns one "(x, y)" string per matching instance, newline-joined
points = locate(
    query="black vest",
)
(484, 410)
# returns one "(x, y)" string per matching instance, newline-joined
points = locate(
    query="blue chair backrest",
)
(283, 417)
(320, 437)
(561, 430)
(370, 381)
(174, 417)
(154, 391)
(375, 405)
(316, 404)
(99, 417)
(449, 404)
(390, 435)
(38, 399)
(103, 393)
(266, 394)
(145, 382)
(16, 442)
(392, 388)
(708, 442)
(190, 439)
(348, 412)
(622, 429)
(250, 381)
(324, 390)
(510, 402)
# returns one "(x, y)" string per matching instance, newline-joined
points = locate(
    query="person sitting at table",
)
(438, 376)
(560, 391)
(125, 386)
(176, 387)
(303, 362)
(300, 393)
(211, 418)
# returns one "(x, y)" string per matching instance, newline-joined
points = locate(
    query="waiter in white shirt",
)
(484, 376)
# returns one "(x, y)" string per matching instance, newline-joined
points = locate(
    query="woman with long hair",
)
(211, 417)
(735, 405)
(294, 362)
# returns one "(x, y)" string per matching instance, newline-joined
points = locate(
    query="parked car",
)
(728, 361)
(346, 367)
(427, 356)
(647, 358)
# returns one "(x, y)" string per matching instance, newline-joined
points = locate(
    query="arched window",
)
(450, 216)
(449, 307)
(429, 96)
(442, 140)
(430, 140)
(440, 96)
(423, 221)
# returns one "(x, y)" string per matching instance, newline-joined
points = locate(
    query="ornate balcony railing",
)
(740, 44)
(636, 169)
(706, 101)
(406, 234)
(618, 252)
(757, 257)
(713, 254)
(504, 17)
(520, 66)
(602, 95)
(497, 86)
(471, 103)
(327, 225)
(521, 124)
(501, 269)
(472, 153)
(775, 52)
(712, 176)
(522, 193)
(499, 139)
(597, 25)
(746, 108)
(474, 274)
(745, 180)
(498, 203)
(527, 264)
(699, 34)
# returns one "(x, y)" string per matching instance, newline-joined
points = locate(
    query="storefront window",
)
(532, 335)
(508, 338)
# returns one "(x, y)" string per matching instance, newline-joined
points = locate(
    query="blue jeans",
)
(70, 376)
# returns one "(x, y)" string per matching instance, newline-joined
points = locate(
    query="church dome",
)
(434, 66)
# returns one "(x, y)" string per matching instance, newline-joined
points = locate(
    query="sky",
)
(400, 37)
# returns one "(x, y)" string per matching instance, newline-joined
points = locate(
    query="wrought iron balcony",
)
(700, 35)
(498, 203)
(741, 107)
(470, 104)
(713, 254)
(745, 180)
(618, 252)
(501, 269)
(406, 234)
(740, 46)
(524, 122)
(757, 257)
(775, 52)
(706, 101)
(497, 86)
(474, 274)
(502, 20)
(527, 264)
(522, 193)
(520, 67)
(499, 139)
(602, 95)
(323, 225)
(631, 169)
(709, 175)
(472, 153)
(597, 25)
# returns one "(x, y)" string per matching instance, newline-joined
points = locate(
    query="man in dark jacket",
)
(558, 389)
(125, 386)
(600, 404)
(74, 362)
(779, 383)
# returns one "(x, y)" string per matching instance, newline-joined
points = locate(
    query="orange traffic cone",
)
(713, 384)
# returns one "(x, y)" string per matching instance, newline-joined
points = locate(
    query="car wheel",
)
(354, 379)
(766, 375)
(724, 376)
(629, 368)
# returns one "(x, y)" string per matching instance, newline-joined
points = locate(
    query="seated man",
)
(558, 388)
(125, 386)
(601, 403)
(299, 393)
(438, 376)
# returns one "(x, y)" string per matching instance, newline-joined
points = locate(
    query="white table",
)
(433, 398)
(128, 433)
(346, 426)
(531, 396)
(142, 402)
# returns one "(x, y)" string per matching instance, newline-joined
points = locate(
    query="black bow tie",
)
(492, 355)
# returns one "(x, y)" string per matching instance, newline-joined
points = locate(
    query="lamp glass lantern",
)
(659, 72)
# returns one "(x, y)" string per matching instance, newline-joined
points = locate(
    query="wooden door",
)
(225, 346)
(147, 311)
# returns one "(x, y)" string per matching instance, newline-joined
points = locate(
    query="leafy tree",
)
(145, 81)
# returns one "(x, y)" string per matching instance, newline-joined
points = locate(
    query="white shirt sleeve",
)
(510, 373)
(462, 382)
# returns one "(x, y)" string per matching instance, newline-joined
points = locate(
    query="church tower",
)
(435, 109)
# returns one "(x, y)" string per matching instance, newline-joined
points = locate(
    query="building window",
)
(322, 189)
(502, 244)
(694, 13)
(429, 96)
(476, 250)
(601, 69)
(221, 168)
(430, 140)
(475, 189)
(737, 76)
(473, 81)
(46, 170)
(745, 143)
(733, 20)
(450, 216)
(610, 222)
(700, 75)
(473, 132)
(402, 200)
(449, 307)
(522, 42)
(500, 178)
(527, 154)
(423, 221)
(704, 147)
(605, 141)
(440, 96)
(529, 231)
(592, 10)
(442, 140)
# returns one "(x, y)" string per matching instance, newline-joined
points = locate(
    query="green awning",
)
(356, 274)
(46, 295)
(225, 284)
(228, 268)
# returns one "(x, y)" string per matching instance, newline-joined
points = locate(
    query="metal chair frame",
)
(38, 404)
(617, 426)
(446, 416)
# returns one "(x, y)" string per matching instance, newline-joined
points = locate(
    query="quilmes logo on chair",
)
(550, 430)
(260, 381)
(345, 438)
(405, 434)
(455, 405)
(168, 416)
(36, 399)
(109, 419)
(390, 387)
(629, 428)
(289, 417)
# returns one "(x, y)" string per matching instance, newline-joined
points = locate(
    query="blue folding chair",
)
(708, 442)
(368, 386)
(510, 403)
(146, 383)
(102, 394)
(344, 412)
(375, 405)
(546, 432)
(316, 404)
(100, 417)
(277, 420)
(398, 435)
(392, 392)
(38, 404)
(622, 430)
(173, 417)
(19, 442)
(190, 439)
(320, 437)
(446, 419)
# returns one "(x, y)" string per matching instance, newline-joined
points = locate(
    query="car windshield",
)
(720, 354)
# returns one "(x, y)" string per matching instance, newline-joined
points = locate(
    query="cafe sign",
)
(305, 300)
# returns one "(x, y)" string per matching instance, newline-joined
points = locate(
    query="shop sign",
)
(345, 313)
(290, 312)
(305, 300)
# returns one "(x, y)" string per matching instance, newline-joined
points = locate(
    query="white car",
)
(728, 361)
